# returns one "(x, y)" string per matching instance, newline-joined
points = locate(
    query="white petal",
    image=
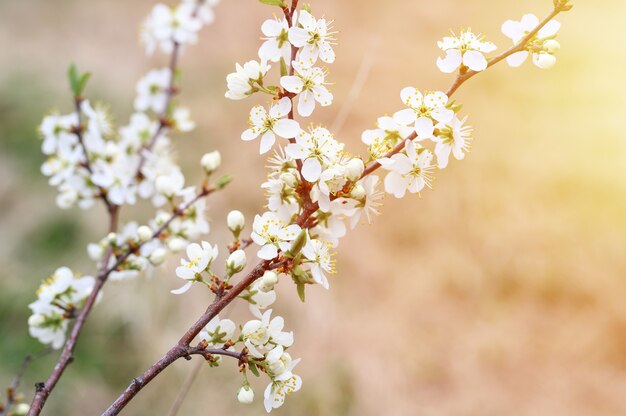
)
(292, 84)
(268, 252)
(287, 128)
(549, 29)
(517, 58)
(249, 135)
(306, 104)
(451, 62)
(475, 60)
(311, 169)
(267, 141)
(183, 289)
(405, 117)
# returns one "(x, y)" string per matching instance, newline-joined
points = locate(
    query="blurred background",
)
(500, 292)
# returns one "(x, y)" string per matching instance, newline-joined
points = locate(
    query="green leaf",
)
(77, 80)
(300, 287)
(283, 68)
(253, 369)
(279, 3)
(307, 7)
(223, 181)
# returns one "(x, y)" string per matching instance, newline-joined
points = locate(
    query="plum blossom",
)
(455, 138)
(200, 259)
(269, 124)
(217, 331)
(423, 110)
(542, 45)
(276, 45)
(271, 233)
(466, 49)
(385, 137)
(152, 90)
(308, 83)
(318, 253)
(241, 82)
(167, 26)
(410, 171)
(258, 333)
(314, 38)
(317, 150)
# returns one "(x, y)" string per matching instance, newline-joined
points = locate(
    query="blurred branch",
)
(12, 389)
(66, 358)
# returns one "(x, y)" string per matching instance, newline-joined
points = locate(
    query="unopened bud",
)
(235, 221)
(268, 281)
(245, 395)
(236, 262)
(144, 233)
(544, 60)
(211, 161)
(298, 243)
(176, 244)
(551, 46)
(354, 169)
(289, 179)
(20, 410)
(157, 257)
(357, 192)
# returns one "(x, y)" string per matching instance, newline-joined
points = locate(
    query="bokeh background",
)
(500, 292)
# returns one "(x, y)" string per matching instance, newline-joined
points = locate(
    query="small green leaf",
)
(297, 244)
(279, 3)
(300, 287)
(223, 181)
(283, 68)
(77, 80)
(253, 369)
(307, 7)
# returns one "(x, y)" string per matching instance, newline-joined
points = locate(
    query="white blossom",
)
(542, 45)
(272, 234)
(242, 82)
(276, 41)
(454, 138)
(269, 124)
(199, 260)
(309, 84)
(314, 38)
(423, 110)
(410, 171)
(466, 49)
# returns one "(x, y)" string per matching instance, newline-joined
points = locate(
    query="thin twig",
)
(15, 383)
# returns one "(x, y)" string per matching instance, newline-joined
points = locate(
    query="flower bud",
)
(21, 409)
(268, 281)
(66, 199)
(357, 192)
(111, 238)
(95, 251)
(236, 262)
(245, 395)
(144, 233)
(211, 161)
(236, 221)
(289, 179)
(157, 257)
(176, 244)
(544, 60)
(354, 169)
(166, 185)
(162, 218)
(36, 320)
(551, 46)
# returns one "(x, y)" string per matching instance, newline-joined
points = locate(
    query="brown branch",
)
(44, 389)
(181, 349)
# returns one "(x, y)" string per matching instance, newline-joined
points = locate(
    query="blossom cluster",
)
(89, 159)
(315, 188)
(58, 298)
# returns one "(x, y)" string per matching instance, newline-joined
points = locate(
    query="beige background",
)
(501, 292)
